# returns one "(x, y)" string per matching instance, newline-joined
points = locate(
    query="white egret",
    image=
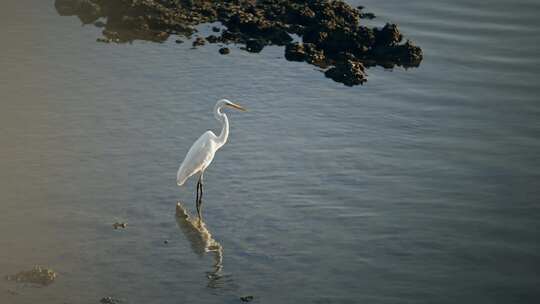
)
(201, 153)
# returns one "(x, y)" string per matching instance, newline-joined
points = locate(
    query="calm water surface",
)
(421, 186)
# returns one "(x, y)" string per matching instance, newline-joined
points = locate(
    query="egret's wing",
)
(198, 157)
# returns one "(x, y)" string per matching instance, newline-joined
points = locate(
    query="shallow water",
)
(420, 186)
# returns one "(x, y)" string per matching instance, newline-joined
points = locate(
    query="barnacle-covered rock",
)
(328, 29)
(38, 275)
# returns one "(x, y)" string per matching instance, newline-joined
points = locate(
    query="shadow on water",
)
(203, 243)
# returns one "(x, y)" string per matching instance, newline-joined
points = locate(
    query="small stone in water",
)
(224, 51)
(254, 45)
(198, 42)
(109, 300)
(38, 275)
(119, 225)
(212, 39)
(166, 242)
(246, 298)
(367, 16)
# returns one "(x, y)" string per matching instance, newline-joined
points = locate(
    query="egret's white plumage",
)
(199, 156)
(202, 152)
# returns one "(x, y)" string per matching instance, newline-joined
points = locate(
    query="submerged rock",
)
(246, 298)
(38, 275)
(89, 11)
(367, 16)
(109, 300)
(224, 51)
(99, 24)
(254, 45)
(305, 52)
(68, 7)
(198, 41)
(327, 29)
(348, 72)
(406, 55)
(389, 35)
(119, 225)
(295, 52)
(212, 39)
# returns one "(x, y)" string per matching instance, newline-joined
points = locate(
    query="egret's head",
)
(226, 103)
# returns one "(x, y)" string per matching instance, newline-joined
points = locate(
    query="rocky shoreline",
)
(332, 36)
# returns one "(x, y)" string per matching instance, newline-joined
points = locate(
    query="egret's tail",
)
(180, 180)
(182, 176)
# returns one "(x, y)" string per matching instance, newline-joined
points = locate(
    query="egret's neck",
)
(221, 117)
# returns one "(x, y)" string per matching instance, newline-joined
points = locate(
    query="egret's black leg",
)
(199, 196)
(197, 199)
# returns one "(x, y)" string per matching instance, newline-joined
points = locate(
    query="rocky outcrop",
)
(331, 31)
(348, 72)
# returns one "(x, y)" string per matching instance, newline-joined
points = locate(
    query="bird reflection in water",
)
(202, 242)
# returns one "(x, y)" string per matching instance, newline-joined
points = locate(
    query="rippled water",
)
(419, 187)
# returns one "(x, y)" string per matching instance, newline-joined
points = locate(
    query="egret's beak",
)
(235, 106)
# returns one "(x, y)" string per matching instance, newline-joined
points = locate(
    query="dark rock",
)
(315, 56)
(296, 29)
(279, 37)
(224, 51)
(254, 45)
(179, 41)
(166, 242)
(212, 39)
(89, 11)
(348, 72)
(407, 55)
(229, 37)
(161, 36)
(109, 300)
(367, 16)
(111, 34)
(328, 29)
(315, 36)
(99, 24)
(305, 52)
(389, 35)
(295, 52)
(67, 7)
(198, 42)
(246, 298)
(302, 15)
(119, 225)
